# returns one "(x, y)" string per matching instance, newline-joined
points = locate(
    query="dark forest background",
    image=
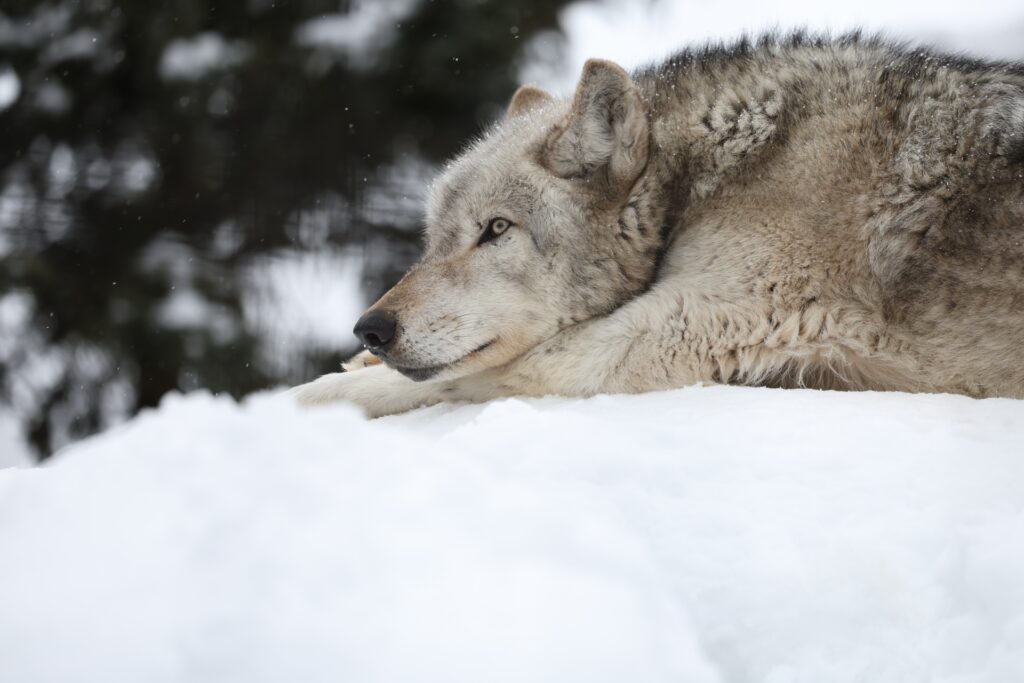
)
(155, 155)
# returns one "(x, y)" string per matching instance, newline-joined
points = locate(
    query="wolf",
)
(790, 211)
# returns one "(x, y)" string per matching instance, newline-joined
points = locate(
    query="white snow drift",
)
(706, 534)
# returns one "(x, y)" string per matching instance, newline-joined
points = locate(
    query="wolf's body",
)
(836, 214)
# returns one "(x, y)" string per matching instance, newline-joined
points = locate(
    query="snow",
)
(81, 44)
(359, 33)
(41, 25)
(185, 308)
(636, 33)
(301, 300)
(52, 98)
(193, 58)
(705, 534)
(10, 87)
(14, 452)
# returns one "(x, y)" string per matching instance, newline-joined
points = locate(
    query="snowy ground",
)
(705, 534)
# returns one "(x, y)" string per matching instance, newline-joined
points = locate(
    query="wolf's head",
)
(536, 227)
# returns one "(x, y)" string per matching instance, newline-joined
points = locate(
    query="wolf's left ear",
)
(606, 129)
(526, 98)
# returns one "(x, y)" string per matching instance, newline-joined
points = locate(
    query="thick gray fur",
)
(794, 211)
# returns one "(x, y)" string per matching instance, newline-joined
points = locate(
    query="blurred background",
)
(201, 194)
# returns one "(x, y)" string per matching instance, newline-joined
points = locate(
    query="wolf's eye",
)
(494, 228)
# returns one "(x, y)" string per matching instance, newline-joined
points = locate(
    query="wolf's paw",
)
(377, 389)
(363, 359)
(325, 389)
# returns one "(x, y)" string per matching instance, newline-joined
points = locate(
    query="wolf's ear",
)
(605, 129)
(526, 98)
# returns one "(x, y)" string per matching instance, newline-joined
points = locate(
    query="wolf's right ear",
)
(526, 98)
(606, 129)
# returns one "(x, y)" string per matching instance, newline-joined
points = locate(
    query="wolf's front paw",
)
(377, 389)
(363, 359)
(325, 389)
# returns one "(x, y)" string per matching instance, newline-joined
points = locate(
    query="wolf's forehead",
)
(471, 187)
(488, 167)
(447, 190)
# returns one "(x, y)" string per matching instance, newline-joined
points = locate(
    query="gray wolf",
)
(794, 211)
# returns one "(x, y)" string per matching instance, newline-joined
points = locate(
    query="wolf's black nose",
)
(376, 329)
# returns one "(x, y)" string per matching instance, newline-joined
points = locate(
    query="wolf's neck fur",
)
(720, 111)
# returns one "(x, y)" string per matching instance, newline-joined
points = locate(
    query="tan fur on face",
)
(560, 264)
(837, 214)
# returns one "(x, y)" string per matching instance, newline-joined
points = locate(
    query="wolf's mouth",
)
(424, 373)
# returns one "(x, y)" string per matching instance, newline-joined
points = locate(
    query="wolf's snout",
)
(376, 329)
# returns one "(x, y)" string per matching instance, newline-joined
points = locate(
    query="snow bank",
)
(706, 534)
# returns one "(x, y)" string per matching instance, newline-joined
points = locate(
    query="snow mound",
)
(706, 534)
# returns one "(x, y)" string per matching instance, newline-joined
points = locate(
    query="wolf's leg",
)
(377, 389)
(617, 353)
(662, 340)
(673, 336)
(602, 355)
